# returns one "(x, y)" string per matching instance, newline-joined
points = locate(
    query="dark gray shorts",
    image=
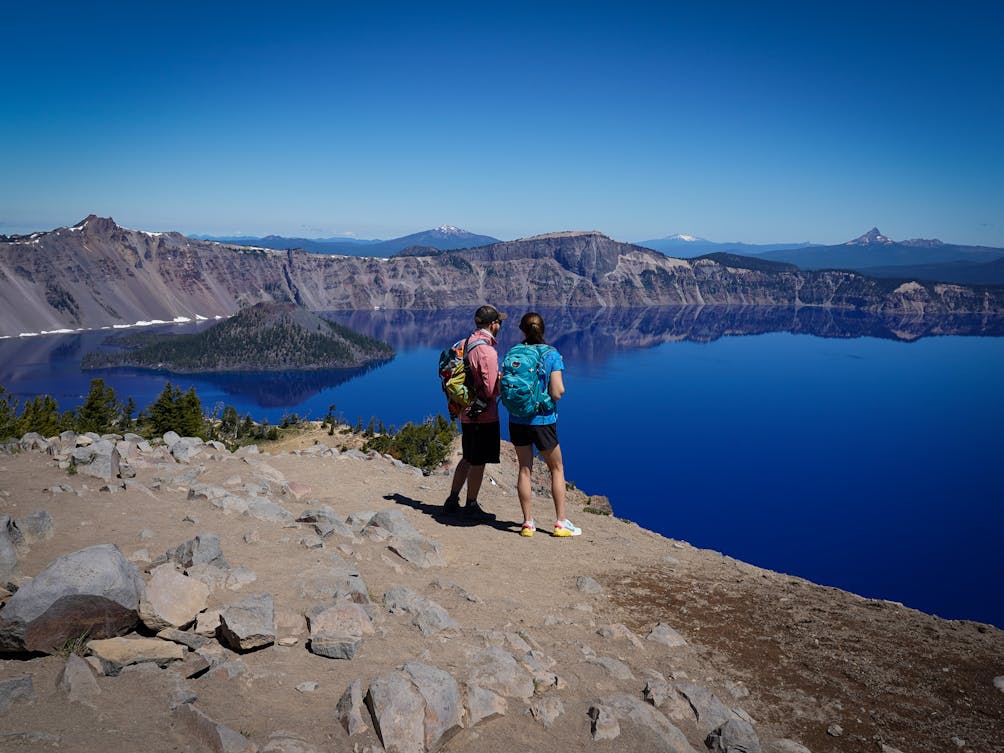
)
(542, 436)
(480, 442)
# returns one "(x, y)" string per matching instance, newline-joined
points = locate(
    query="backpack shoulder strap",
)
(470, 345)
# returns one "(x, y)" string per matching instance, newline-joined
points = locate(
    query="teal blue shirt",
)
(552, 362)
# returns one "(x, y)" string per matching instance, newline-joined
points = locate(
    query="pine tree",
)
(40, 414)
(8, 413)
(164, 410)
(100, 411)
(190, 415)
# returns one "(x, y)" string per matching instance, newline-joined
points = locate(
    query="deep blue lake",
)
(855, 451)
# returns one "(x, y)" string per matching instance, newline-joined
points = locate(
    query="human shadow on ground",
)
(437, 513)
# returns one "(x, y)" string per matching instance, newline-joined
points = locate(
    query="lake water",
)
(854, 451)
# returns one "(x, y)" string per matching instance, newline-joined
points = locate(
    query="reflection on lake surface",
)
(864, 454)
(598, 332)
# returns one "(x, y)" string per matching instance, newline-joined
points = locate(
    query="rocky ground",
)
(618, 640)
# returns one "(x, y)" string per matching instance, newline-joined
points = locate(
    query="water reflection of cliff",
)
(277, 389)
(594, 334)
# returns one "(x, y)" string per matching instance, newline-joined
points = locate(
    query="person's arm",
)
(556, 386)
(485, 369)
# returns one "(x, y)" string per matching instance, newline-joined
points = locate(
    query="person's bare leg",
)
(459, 477)
(475, 476)
(554, 464)
(524, 455)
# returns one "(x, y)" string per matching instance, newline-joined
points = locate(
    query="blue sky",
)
(752, 121)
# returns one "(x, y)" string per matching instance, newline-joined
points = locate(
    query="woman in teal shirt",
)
(541, 431)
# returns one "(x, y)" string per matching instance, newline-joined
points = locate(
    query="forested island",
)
(263, 337)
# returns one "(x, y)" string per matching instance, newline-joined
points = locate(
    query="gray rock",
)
(204, 548)
(427, 615)
(326, 523)
(418, 550)
(180, 692)
(264, 509)
(311, 542)
(357, 521)
(331, 580)
(172, 600)
(93, 592)
(482, 704)
(349, 710)
(665, 635)
(735, 736)
(213, 576)
(207, 623)
(207, 491)
(393, 521)
(15, 689)
(710, 712)
(999, 683)
(603, 723)
(497, 670)
(334, 646)
(170, 438)
(249, 623)
(398, 712)
(117, 653)
(443, 705)
(614, 667)
(10, 568)
(546, 709)
(834, 730)
(587, 585)
(216, 737)
(657, 689)
(337, 629)
(36, 526)
(193, 665)
(445, 585)
(99, 459)
(77, 681)
(34, 441)
(658, 733)
(617, 631)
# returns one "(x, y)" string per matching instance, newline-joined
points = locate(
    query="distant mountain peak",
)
(872, 238)
(683, 237)
(450, 230)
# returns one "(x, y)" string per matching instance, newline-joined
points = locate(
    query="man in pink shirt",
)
(480, 431)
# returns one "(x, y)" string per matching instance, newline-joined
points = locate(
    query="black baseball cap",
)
(488, 314)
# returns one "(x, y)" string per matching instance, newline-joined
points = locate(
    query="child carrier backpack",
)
(455, 377)
(521, 376)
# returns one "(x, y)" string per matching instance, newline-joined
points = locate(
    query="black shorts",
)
(542, 436)
(480, 442)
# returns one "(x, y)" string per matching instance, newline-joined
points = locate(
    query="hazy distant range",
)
(872, 253)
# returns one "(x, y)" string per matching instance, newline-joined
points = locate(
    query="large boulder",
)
(9, 567)
(172, 600)
(94, 593)
(415, 709)
(248, 624)
(99, 459)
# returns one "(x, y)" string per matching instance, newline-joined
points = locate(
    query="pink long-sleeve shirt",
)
(484, 363)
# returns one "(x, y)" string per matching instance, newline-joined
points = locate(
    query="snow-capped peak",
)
(873, 236)
(684, 237)
(450, 230)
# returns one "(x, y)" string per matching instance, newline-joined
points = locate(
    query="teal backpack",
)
(521, 376)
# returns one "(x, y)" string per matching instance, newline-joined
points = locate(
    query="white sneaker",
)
(566, 528)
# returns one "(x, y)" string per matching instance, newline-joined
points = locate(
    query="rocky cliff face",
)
(98, 274)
